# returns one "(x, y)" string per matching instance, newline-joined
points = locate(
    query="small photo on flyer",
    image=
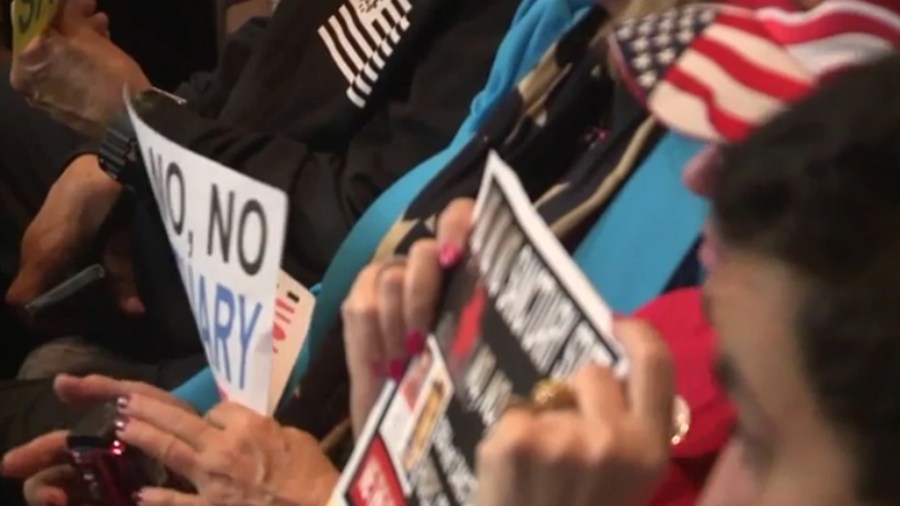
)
(435, 401)
(422, 398)
(376, 483)
(400, 415)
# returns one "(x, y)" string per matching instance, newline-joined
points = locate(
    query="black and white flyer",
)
(518, 310)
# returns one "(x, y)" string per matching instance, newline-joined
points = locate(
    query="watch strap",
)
(118, 149)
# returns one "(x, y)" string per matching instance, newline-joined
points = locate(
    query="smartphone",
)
(109, 471)
(53, 300)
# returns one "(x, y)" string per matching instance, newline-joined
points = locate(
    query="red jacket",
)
(679, 319)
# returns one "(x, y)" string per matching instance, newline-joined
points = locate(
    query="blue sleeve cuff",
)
(199, 391)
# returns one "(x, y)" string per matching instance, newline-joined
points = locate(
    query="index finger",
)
(44, 452)
(454, 224)
(95, 388)
(182, 424)
(651, 380)
(422, 286)
(363, 342)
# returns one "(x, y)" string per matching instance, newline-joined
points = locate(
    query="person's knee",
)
(68, 355)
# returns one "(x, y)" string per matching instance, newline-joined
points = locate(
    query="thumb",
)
(117, 260)
(41, 453)
(651, 378)
(99, 22)
(48, 487)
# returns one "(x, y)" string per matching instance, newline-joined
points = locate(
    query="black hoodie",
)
(332, 101)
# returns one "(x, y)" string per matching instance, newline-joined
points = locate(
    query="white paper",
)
(227, 233)
(294, 305)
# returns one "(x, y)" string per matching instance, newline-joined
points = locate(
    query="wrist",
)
(87, 166)
(119, 154)
(323, 488)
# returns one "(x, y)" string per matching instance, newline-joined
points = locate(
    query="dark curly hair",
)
(818, 188)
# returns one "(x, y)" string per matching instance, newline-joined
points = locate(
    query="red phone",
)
(110, 471)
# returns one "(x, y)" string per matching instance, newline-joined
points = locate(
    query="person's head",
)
(806, 299)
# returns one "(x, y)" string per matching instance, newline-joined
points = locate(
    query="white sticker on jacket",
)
(361, 37)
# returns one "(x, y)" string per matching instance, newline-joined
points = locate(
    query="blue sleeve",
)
(199, 391)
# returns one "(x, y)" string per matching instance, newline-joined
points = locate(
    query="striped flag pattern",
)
(360, 37)
(715, 71)
(285, 307)
(836, 34)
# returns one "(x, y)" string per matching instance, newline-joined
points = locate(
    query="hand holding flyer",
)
(515, 312)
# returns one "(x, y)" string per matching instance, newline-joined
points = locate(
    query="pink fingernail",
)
(449, 256)
(122, 402)
(137, 497)
(415, 342)
(121, 423)
(396, 368)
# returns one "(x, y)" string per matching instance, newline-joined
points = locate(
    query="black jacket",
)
(572, 163)
(328, 107)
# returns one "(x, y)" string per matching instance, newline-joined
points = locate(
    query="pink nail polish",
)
(449, 256)
(122, 402)
(137, 498)
(415, 342)
(121, 423)
(396, 368)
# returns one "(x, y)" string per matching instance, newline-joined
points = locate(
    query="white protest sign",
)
(227, 233)
(293, 311)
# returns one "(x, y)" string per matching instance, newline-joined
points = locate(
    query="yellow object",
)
(29, 18)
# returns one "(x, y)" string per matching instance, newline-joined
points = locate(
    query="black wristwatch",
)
(118, 151)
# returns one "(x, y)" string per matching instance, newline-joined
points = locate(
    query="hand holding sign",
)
(65, 63)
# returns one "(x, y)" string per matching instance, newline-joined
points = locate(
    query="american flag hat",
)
(714, 71)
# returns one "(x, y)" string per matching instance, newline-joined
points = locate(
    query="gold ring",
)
(552, 395)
